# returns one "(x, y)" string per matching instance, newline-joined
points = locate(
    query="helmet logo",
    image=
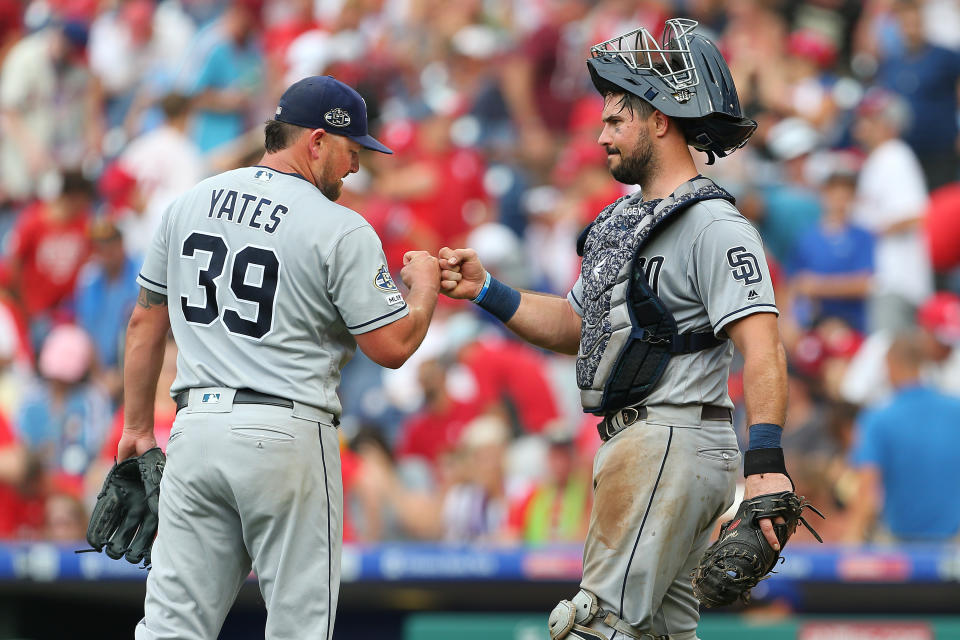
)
(682, 95)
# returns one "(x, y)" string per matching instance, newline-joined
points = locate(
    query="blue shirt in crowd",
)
(928, 81)
(914, 441)
(790, 212)
(67, 437)
(828, 252)
(227, 66)
(103, 307)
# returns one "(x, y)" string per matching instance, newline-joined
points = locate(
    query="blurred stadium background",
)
(467, 470)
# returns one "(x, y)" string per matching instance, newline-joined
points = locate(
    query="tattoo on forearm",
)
(148, 298)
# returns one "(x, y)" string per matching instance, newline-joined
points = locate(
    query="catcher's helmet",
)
(685, 77)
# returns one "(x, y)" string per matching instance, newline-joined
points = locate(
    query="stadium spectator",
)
(831, 265)
(14, 358)
(121, 54)
(475, 506)
(48, 247)
(106, 292)
(229, 76)
(928, 77)
(65, 418)
(49, 112)
(791, 206)
(390, 500)
(65, 518)
(939, 322)
(437, 427)
(903, 277)
(906, 453)
(512, 380)
(165, 411)
(865, 381)
(164, 162)
(557, 508)
(541, 82)
(21, 505)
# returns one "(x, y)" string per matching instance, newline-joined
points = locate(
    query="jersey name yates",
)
(235, 206)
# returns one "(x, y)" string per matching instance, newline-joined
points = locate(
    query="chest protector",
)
(628, 335)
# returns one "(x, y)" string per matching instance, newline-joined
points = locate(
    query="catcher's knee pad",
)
(569, 619)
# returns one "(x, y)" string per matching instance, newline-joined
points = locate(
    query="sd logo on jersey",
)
(383, 281)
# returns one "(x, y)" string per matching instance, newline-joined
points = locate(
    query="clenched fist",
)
(462, 275)
(420, 269)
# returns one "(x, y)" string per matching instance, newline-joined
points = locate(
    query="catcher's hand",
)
(124, 520)
(741, 556)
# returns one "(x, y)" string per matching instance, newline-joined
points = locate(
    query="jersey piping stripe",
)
(574, 296)
(636, 542)
(386, 315)
(752, 306)
(326, 486)
(153, 282)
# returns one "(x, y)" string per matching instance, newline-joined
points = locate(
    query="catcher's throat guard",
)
(684, 76)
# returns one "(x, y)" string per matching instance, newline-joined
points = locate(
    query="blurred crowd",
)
(111, 108)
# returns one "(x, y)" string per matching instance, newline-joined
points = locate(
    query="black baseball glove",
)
(741, 556)
(124, 520)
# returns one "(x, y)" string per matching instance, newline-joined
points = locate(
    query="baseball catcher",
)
(741, 556)
(124, 520)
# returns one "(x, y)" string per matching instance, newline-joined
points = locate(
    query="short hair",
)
(637, 106)
(75, 183)
(907, 350)
(175, 105)
(280, 135)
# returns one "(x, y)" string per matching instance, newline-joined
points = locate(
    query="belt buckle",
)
(627, 419)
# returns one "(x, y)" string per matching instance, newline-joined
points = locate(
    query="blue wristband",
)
(499, 299)
(483, 290)
(764, 435)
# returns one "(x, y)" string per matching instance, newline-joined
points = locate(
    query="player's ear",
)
(661, 123)
(316, 142)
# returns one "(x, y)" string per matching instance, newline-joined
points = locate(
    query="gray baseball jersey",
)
(267, 282)
(709, 269)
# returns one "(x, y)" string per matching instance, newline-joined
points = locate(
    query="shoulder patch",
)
(744, 266)
(383, 281)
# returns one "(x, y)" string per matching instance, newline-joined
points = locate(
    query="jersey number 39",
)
(247, 264)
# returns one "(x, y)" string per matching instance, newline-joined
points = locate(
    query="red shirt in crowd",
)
(50, 254)
(18, 513)
(459, 185)
(512, 371)
(432, 433)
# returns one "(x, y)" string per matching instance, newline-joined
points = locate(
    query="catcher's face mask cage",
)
(682, 75)
(669, 58)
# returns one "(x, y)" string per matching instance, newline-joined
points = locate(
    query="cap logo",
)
(337, 117)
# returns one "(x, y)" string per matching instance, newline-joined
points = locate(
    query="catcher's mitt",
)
(741, 556)
(124, 520)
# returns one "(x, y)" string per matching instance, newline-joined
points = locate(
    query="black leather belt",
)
(242, 396)
(614, 423)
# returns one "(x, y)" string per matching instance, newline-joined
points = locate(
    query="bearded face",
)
(635, 163)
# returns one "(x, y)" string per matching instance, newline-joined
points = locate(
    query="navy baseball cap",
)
(323, 102)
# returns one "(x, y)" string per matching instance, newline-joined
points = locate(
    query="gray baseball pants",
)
(659, 487)
(246, 487)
